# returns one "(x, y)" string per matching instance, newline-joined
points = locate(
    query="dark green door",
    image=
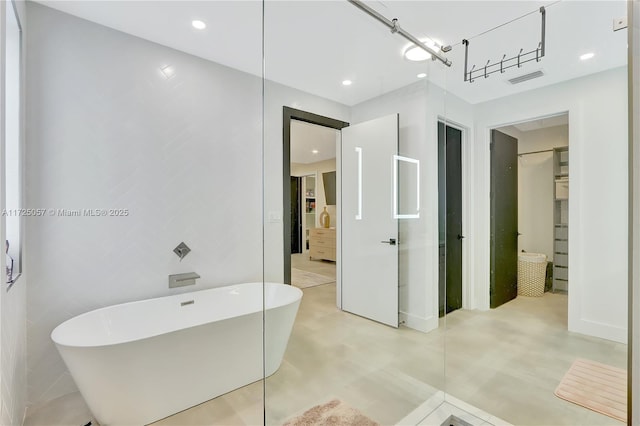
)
(450, 217)
(296, 215)
(504, 218)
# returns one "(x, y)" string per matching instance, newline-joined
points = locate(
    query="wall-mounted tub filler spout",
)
(180, 280)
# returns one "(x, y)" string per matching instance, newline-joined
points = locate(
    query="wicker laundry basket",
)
(532, 268)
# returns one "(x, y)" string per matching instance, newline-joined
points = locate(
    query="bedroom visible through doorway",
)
(313, 198)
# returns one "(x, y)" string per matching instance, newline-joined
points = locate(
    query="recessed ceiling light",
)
(346, 83)
(415, 53)
(587, 56)
(422, 75)
(315, 151)
(168, 71)
(198, 25)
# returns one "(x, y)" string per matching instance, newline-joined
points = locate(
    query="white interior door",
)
(369, 226)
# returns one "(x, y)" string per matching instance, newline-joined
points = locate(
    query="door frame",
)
(289, 114)
(463, 218)
(483, 288)
(468, 290)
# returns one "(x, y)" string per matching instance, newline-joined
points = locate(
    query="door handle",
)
(460, 236)
(392, 241)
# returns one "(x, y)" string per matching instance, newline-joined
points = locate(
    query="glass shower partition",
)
(345, 94)
(542, 360)
(144, 151)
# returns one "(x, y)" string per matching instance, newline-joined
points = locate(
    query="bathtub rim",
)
(59, 329)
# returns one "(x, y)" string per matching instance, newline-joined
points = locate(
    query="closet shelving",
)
(561, 220)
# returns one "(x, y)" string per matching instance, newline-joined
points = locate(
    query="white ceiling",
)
(314, 45)
(306, 138)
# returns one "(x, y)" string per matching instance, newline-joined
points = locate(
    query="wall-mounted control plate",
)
(274, 217)
(620, 23)
(181, 250)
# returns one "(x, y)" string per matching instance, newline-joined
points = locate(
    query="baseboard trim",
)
(418, 323)
(598, 329)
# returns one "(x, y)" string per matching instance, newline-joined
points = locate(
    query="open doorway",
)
(314, 207)
(310, 148)
(360, 181)
(529, 208)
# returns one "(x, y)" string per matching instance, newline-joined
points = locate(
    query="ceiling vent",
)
(526, 77)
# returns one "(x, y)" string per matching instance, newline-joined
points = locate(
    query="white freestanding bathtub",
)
(139, 362)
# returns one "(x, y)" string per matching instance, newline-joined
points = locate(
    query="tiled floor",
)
(322, 267)
(438, 409)
(506, 362)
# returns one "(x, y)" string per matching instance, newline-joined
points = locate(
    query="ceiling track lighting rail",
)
(395, 28)
(505, 64)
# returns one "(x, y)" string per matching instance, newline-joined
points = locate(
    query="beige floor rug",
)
(333, 413)
(304, 279)
(598, 387)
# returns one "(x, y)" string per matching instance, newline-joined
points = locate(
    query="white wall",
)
(536, 188)
(543, 139)
(535, 204)
(300, 169)
(108, 130)
(13, 303)
(597, 107)
(420, 105)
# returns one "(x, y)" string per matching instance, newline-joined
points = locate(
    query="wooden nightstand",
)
(322, 243)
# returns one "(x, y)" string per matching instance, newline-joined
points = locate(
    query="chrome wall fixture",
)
(505, 64)
(181, 280)
(394, 26)
(181, 250)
